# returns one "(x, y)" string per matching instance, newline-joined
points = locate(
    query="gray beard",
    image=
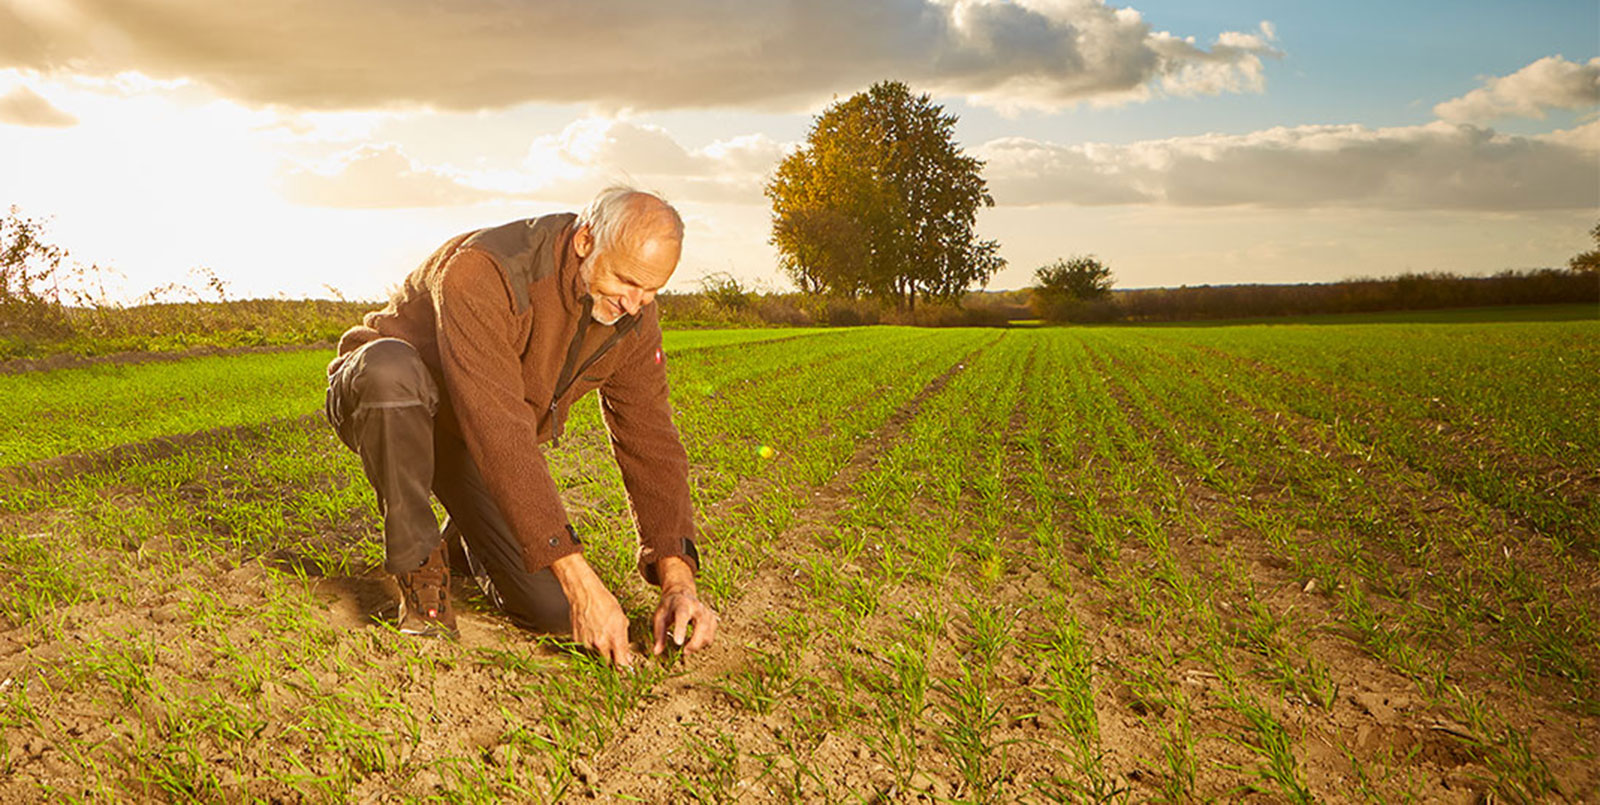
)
(613, 320)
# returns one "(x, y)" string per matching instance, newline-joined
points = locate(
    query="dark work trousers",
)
(382, 401)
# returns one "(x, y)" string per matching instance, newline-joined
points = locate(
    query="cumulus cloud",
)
(587, 154)
(1436, 166)
(593, 151)
(379, 177)
(620, 54)
(1549, 83)
(24, 107)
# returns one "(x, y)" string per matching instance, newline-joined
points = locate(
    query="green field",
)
(67, 411)
(1298, 562)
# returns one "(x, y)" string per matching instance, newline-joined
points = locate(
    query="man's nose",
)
(634, 300)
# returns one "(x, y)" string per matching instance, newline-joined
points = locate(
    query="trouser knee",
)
(386, 374)
(389, 372)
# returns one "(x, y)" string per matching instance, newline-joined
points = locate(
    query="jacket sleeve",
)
(654, 465)
(479, 358)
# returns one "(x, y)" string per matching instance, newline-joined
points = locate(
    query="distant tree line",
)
(1078, 289)
(1405, 292)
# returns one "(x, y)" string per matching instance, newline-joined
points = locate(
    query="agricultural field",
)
(1262, 563)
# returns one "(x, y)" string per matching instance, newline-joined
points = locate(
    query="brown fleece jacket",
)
(493, 314)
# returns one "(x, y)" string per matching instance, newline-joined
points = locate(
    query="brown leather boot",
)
(425, 607)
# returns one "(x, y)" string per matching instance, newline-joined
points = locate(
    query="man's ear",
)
(583, 241)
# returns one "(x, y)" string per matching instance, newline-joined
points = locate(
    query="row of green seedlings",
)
(933, 509)
(1467, 593)
(776, 675)
(813, 421)
(1296, 682)
(1459, 404)
(1498, 591)
(1522, 385)
(1109, 496)
(1496, 595)
(586, 745)
(867, 654)
(1060, 648)
(1226, 434)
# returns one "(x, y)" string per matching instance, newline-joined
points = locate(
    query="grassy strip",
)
(77, 410)
(64, 411)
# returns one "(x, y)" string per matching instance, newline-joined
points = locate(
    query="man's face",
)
(625, 278)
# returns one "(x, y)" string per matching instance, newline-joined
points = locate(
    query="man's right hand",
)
(598, 622)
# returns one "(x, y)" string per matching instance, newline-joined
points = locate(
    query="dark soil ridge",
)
(55, 469)
(1397, 714)
(690, 707)
(17, 366)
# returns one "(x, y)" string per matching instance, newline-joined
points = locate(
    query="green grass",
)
(1056, 564)
(63, 411)
(78, 410)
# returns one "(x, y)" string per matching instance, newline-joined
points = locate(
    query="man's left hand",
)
(681, 608)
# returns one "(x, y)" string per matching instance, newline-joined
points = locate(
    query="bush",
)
(30, 277)
(724, 291)
(1073, 290)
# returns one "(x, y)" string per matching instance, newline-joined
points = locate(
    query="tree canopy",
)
(1067, 289)
(881, 201)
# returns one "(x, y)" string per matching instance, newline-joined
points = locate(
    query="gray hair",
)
(619, 208)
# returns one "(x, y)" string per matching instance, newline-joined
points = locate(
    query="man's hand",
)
(598, 622)
(681, 608)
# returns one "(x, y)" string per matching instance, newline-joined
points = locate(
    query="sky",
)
(316, 148)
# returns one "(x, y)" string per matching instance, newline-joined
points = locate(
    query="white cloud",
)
(379, 177)
(586, 155)
(331, 54)
(24, 107)
(595, 151)
(1549, 83)
(1435, 166)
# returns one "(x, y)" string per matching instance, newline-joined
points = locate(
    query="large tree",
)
(881, 201)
